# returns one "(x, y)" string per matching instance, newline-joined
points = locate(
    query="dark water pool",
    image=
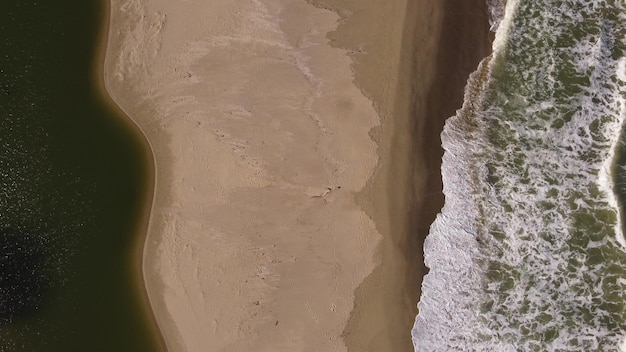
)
(74, 185)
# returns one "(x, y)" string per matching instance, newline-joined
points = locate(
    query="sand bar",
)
(261, 141)
(288, 165)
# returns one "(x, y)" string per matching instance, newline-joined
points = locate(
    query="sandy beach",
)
(296, 158)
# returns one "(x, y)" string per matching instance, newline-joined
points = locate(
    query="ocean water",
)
(528, 253)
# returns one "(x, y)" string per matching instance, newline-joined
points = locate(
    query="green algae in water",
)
(73, 185)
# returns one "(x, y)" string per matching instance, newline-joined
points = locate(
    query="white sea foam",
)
(528, 252)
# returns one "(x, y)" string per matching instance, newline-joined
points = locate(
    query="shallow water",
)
(73, 178)
(528, 252)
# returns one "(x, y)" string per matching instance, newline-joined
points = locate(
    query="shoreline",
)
(144, 221)
(397, 188)
(404, 195)
(150, 285)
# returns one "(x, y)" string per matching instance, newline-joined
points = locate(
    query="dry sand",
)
(290, 163)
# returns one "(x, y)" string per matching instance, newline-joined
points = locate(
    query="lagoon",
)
(75, 186)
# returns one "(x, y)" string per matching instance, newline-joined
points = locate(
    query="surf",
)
(527, 253)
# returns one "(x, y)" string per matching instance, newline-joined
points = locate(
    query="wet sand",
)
(293, 157)
(416, 77)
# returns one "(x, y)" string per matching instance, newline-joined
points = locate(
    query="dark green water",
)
(73, 186)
